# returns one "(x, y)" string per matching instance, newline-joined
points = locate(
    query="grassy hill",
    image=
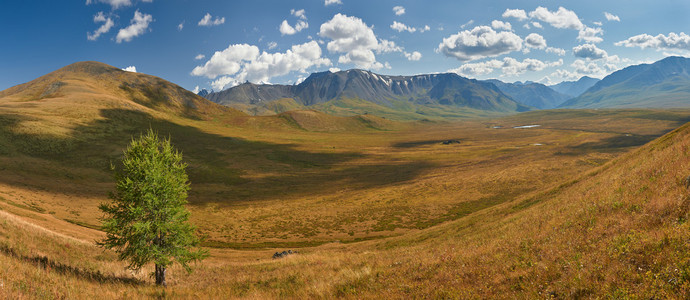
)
(618, 230)
(583, 205)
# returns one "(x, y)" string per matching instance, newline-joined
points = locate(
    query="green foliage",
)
(147, 220)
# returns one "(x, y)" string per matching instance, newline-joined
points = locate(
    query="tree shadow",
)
(46, 263)
(614, 144)
(303, 184)
(212, 159)
(414, 144)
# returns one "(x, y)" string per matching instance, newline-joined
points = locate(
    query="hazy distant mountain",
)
(663, 84)
(574, 88)
(444, 90)
(531, 94)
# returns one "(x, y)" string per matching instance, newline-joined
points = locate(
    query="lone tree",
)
(147, 220)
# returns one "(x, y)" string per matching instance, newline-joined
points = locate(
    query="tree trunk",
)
(160, 275)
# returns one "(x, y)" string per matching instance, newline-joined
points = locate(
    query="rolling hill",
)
(531, 94)
(364, 91)
(582, 206)
(94, 83)
(663, 84)
(73, 122)
(575, 88)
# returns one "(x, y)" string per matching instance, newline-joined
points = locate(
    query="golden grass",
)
(379, 209)
(618, 231)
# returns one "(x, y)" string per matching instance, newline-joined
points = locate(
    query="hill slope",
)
(448, 91)
(663, 84)
(498, 212)
(75, 122)
(620, 231)
(94, 83)
(532, 94)
(575, 88)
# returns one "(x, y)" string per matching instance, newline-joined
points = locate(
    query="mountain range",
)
(355, 89)
(531, 94)
(663, 84)
(574, 88)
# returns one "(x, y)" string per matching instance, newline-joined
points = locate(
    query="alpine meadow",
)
(344, 149)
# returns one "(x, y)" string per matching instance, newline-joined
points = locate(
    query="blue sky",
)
(216, 44)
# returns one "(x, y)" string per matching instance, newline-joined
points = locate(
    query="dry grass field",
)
(590, 203)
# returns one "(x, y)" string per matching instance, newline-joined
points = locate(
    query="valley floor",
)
(579, 206)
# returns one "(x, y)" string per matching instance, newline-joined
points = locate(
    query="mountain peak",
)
(447, 89)
(531, 93)
(575, 88)
(89, 67)
(674, 59)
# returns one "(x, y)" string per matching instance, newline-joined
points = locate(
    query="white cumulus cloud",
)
(587, 68)
(287, 29)
(386, 46)
(298, 13)
(509, 66)
(496, 24)
(519, 14)
(114, 3)
(208, 20)
(355, 40)
(589, 51)
(200, 57)
(536, 25)
(228, 61)
(107, 25)
(477, 69)
(512, 66)
(478, 43)
(330, 2)
(534, 40)
(590, 35)
(562, 18)
(242, 62)
(672, 41)
(594, 68)
(557, 51)
(138, 26)
(399, 10)
(611, 17)
(132, 69)
(414, 56)
(180, 26)
(400, 27)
